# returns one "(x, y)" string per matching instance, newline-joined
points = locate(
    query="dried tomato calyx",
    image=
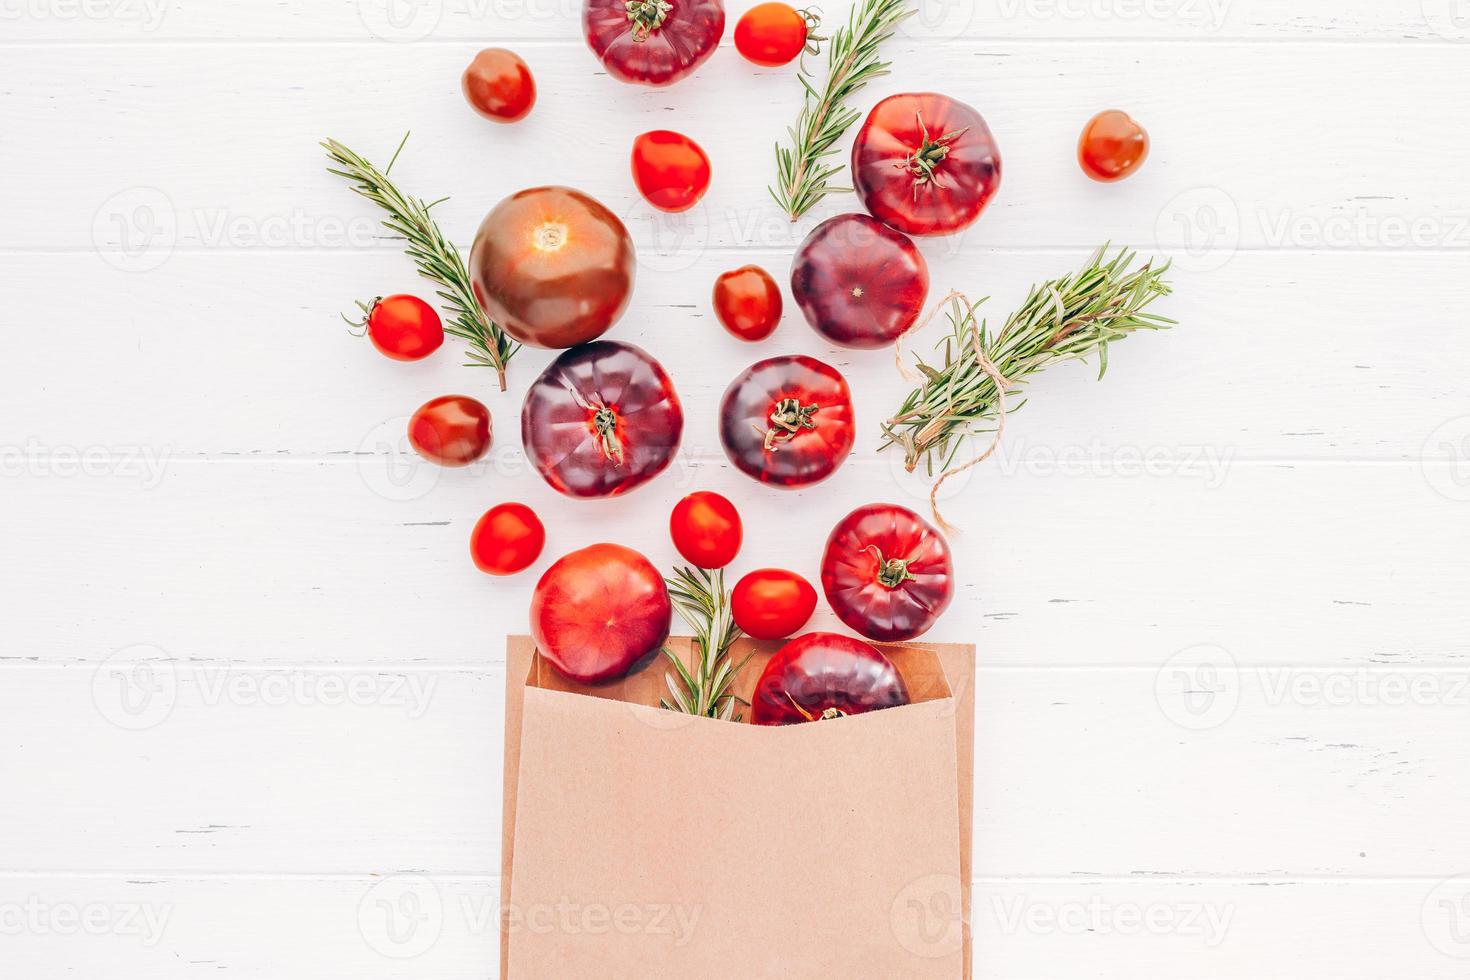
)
(605, 421)
(646, 16)
(931, 152)
(892, 572)
(826, 715)
(787, 420)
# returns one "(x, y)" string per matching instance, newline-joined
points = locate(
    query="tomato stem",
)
(930, 154)
(367, 316)
(606, 423)
(826, 715)
(892, 572)
(788, 419)
(646, 16)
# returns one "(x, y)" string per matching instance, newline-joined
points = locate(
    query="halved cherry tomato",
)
(652, 42)
(787, 421)
(452, 431)
(498, 85)
(748, 302)
(860, 283)
(1112, 146)
(671, 170)
(772, 603)
(772, 34)
(402, 327)
(825, 675)
(887, 572)
(507, 539)
(706, 529)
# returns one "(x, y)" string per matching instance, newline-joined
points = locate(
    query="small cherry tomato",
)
(402, 327)
(499, 86)
(706, 529)
(671, 170)
(508, 539)
(1112, 146)
(452, 431)
(748, 302)
(772, 34)
(772, 603)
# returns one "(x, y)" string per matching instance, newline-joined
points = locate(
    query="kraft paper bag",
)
(640, 843)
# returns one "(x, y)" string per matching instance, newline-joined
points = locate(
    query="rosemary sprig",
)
(802, 178)
(436, 257)
(1065, 318)
(699, 595)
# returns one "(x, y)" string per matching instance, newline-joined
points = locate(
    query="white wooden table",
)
(251, 685)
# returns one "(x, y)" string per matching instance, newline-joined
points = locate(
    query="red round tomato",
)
(772, 603)
(652, 42)
(498, 85)
(452, 431)
(925, 164)
(706, 529)
(824, 675)
(599, 612)
(670, 170)
(772, 34)
(1112, 146)
(602, 419)
(860, 283)
(402, 327)
(887, 572)
(787, 421)
(507, 540)
(748, 302)
(552, 266)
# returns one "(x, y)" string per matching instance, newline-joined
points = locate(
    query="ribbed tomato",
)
(825, 675)
(652, 42)
(860, 283)
(602, 419)
(787, 421)
(887, 572)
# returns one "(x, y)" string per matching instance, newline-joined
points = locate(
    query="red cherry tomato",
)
(1112, 146)
(402, 327)
(452, 431)
(652, 42)
(507, 540)
(499, 86)
(772, 603)
(772, 34)
(787, 421)
(887, 572)
(599, 612)
(670, 169)
(602, 419)
(860, 283)
(925, 164)
(824, 675)
(706, 529)
(748, 302)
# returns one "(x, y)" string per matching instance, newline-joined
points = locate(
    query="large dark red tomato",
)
(601, 420)
(925, 164)
(787, 421)
(825, 675)
(887, 572)
(860, 283)
(599, 612)
(453, 430)
(772, 603)
(552, 266)
(652, 42)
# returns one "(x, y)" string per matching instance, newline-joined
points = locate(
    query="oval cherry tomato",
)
(860, 283)
(772, 34)
(670, 170)
(787, 421)
(824, 675)
(599, 612)
(887, 572)
(652, 42)
(925, 164)
(748, 302)
(552, 266)
(402, 327)
(772, 603)
(498, 85)
(602, 419)
(1112, 146)
(507, 540)
(706, 529)
(452, 431)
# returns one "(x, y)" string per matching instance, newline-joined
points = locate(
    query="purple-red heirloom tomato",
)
(787, 421)
(860, 283)
(887, 572)
(824, 675)
(599, 612)
(601, 420)
(925, 164)
(652, 42)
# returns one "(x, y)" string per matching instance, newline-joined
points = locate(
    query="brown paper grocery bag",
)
(643, 843)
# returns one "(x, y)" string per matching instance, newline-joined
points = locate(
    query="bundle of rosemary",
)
(699, 595)
(1071, 317)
